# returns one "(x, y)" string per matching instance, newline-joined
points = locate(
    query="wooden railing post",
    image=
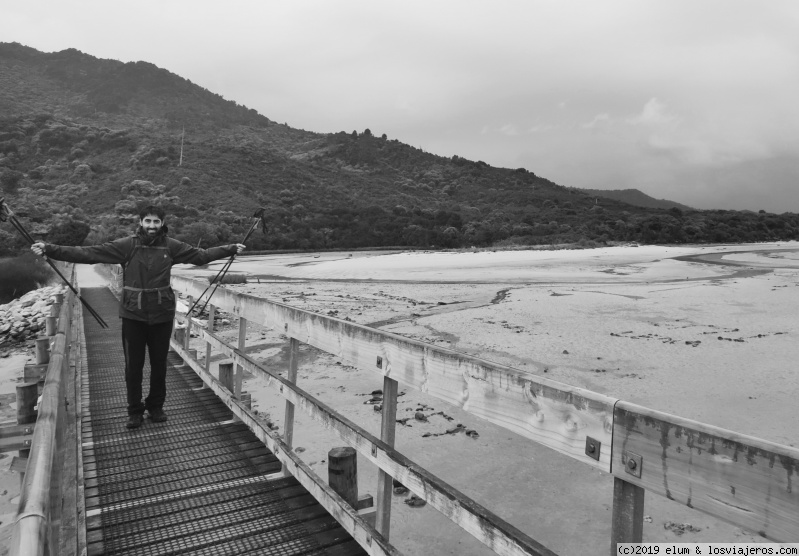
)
(239, 369)
(42, 350)
(179, 334)
(228, 380)
(387, 433)
(50, 324)
(628, 513)
(226, 375)
(210, 328)
(34, 373)
(288, 421)
(342, 473)
(27, 394)
(187, 337)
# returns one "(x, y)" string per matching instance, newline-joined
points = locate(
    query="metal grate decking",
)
(193, 485)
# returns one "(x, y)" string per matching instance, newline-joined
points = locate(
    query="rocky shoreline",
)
(23, 318)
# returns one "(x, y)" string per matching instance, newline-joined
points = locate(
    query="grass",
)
(19, 275)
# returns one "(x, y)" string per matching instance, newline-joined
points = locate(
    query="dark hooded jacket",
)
(147, 264)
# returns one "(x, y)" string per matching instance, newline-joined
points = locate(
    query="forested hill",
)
(85, 142)
(635, 197)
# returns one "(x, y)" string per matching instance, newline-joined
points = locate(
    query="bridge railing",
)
(744, 480)
(41, 514)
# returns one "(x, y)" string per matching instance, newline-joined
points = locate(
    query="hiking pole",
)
(259, 216)
(7, 214)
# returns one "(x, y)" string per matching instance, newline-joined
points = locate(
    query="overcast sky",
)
(695, 101)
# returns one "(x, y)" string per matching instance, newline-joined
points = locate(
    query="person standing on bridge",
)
(148, 303)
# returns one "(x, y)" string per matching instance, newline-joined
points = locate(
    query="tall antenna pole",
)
(180, 163)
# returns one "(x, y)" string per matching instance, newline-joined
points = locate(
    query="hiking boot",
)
(157, 415)
(134, 421)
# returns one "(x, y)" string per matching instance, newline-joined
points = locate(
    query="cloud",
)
(653, 114)
(708, 150)
(538, 128)
(599, 119)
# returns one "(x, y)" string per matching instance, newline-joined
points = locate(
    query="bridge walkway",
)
(200, 483)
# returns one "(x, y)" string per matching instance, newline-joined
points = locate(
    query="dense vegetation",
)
(19, 275)
(85, 142)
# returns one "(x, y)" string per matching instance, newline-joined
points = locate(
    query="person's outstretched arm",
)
(185, 253)
(113, 252)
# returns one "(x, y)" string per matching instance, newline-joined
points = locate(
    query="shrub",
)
(37, 173)
(69, 233)
(81, 173)
(125, 207)
(22, 274)
(10, 179)
(230, 278)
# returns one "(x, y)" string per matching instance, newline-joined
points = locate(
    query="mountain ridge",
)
(86, 140)
(635, 197)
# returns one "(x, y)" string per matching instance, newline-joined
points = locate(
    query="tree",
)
(199, 234)
(10, 179)
(69, 233)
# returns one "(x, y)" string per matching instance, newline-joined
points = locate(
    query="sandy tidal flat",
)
(707, 333)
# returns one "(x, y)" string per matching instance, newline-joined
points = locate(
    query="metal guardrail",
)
(743, 480)
(37, 526)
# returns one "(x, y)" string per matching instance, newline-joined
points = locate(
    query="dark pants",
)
(136, 337)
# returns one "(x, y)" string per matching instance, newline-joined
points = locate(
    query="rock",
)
(680, 528)
(415, 502)
(24, 317)
(399, 488)
(419, 416)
